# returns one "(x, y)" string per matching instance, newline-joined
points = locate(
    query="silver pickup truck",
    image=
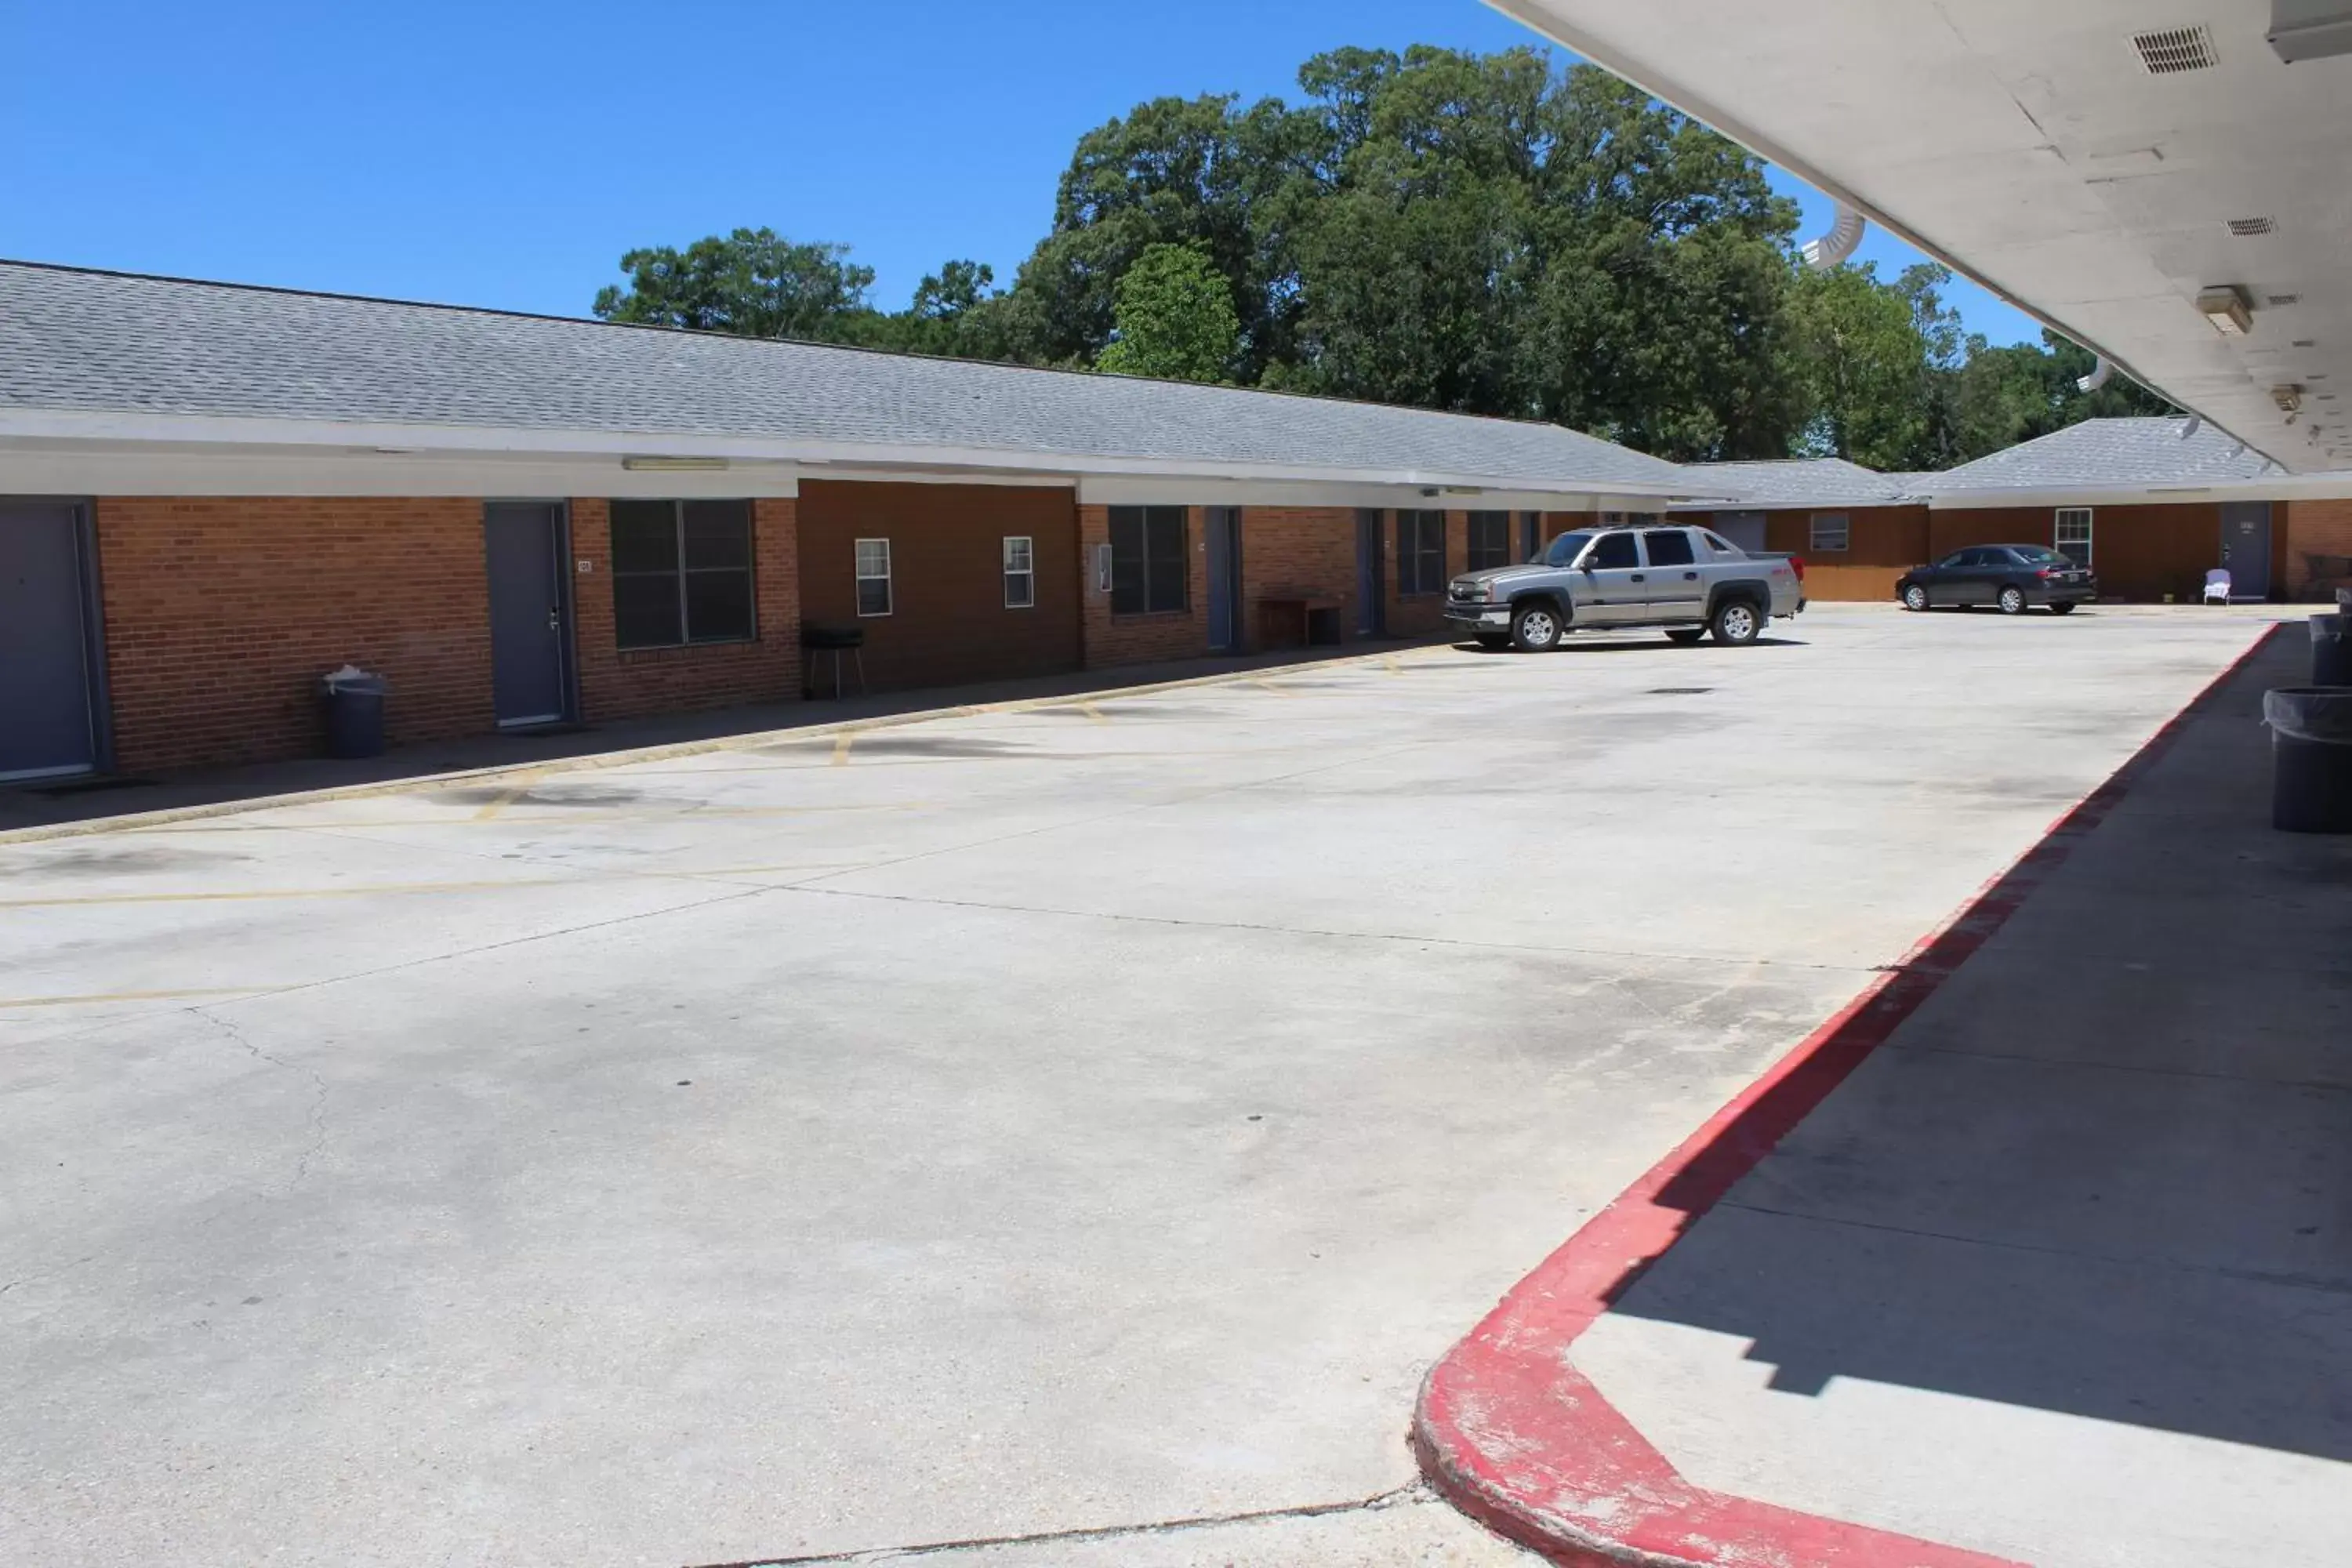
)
(1687, 582)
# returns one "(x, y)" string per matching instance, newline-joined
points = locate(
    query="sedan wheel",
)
(1915, 598)
(2012, 600)
(1536, 628)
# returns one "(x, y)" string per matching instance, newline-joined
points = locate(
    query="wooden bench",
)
(1298, 618)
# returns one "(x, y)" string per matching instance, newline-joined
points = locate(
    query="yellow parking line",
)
(257, 893)
(1394, 665)
(507, 797)
(841, 748)
(1093, 712)
(7, 1003)
(1270, 685)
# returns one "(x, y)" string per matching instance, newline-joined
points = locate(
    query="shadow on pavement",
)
(2099, 1160)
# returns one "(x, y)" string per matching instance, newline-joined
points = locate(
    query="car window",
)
(1564, 550)
(1668, 547)
(1611, 551)
(1958, 558)
(1719, 544)
(2040, 555)
(1997, 555)
(1981, 557)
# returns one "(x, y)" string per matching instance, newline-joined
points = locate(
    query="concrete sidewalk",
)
(2064, 1272)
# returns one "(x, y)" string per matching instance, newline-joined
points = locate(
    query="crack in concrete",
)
(1416, 1492)
(318, 1119)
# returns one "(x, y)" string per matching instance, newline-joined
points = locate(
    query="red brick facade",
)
(1114, 639)
(614, 684)
(222, 614)
(1295, 548)
(2305, 529)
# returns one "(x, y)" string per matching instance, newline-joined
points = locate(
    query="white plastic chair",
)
(2217, 585)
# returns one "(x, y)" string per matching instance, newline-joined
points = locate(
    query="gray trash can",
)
(2331, 650)
(355, 701)
(2311, 758)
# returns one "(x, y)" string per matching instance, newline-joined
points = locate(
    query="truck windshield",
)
(1562, 551)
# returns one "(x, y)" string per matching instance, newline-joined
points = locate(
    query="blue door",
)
(1225, 576)
(47, 726)
(1372, 582)
(528, 632)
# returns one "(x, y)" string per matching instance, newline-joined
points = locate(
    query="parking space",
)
(1093, 1114)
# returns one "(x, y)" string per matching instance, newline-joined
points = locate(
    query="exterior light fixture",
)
(2310, 30)
(2288, 396)
(2226, 308)
(2099, 376)
(674, 465)
(1842, 239)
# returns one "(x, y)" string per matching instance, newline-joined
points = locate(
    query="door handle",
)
(1637, 577)
(555, 620)
(1690, 576)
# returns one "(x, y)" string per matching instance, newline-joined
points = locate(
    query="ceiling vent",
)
(2171, 50)
(2251, 227)
(2285, 298)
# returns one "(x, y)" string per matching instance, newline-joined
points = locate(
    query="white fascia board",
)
(2278, 487)
(92, 470)
(199, 432)
(1127, 491)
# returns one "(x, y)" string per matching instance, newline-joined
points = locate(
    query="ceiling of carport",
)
(2027, 143)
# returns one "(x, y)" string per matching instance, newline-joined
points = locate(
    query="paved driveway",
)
(1093, 1116)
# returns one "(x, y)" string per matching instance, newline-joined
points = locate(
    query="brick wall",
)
(1881, 543)
(2139, 552)
(2308, 528)
(618, 684)
(222, 613)
(1297, 547)
(1143, 639)
(948, 622)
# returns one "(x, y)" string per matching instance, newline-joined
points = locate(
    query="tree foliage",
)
(1173, 318)
(1450, 230)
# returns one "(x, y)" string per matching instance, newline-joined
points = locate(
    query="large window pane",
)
(645, 610)
(717, 606)
(1128, 595)
(717, 533)
(644, 536)
(1490, 540)
(1167, 560)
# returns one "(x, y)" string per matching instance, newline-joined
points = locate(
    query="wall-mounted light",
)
(674, 465)
(2288, 396)
(2227, 308)
(2099, 376)
(1842, 239)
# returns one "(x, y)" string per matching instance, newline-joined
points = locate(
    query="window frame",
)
(1842, 521)
(1145, 520)
(1027, 572)
(1498, 525)
(2058, 520)
(1413, 557)
(682, 572)
(861, 577)
(1690, 553)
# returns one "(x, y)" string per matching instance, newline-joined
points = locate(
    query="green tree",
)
(1174, 318)
(753, 282)
(1861, 355)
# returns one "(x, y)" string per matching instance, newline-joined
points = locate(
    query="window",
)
(1612, 551)
(2075, 534)
(1830, 530)
(1420, 552)
(1490, 540)
(1563, 551)
(1020, 573)
(1719, 544)
(873, 577)
(681, 571)
(1669, 547)
(1149, 564)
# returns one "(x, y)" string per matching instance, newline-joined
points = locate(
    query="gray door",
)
(1371, 582)
(1615, 587)
(2246, 546)
(47, 726)
(527, 634)
(1225, 576)
(1745, 528)
(1672, 565)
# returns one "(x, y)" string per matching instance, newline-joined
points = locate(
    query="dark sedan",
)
(2010, 577)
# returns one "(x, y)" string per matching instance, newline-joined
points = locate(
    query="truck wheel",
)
(1494, 640)
(2012, 600)
(1737, 622)
(1684, 635)
(1915, 598)
(1536, 627)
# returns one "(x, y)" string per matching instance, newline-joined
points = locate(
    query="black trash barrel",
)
(2311, 758)
(2331, 650)
(355, 715)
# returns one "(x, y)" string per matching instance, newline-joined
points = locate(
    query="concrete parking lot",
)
(1088, 1116)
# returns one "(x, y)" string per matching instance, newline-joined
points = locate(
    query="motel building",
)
(212, 495)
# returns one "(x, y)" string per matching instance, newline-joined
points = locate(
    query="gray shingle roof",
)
(2108, 454)
(1792, 482)
(94, 341)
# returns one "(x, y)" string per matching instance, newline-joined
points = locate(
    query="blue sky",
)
(506, 154)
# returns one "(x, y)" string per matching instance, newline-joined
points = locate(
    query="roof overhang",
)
(2031, 147)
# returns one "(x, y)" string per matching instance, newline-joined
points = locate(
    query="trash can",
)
(2311, 758)
(2331, 650)
(355, 701)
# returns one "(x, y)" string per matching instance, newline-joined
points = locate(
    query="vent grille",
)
(2168, 51)
(2251, 227)
(2287, 298)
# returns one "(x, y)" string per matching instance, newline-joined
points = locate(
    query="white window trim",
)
(1028, 574)
(2089, 531)
(858, 565)
(1814, 533)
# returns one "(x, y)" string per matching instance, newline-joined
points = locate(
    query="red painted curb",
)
(1512, 1436)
